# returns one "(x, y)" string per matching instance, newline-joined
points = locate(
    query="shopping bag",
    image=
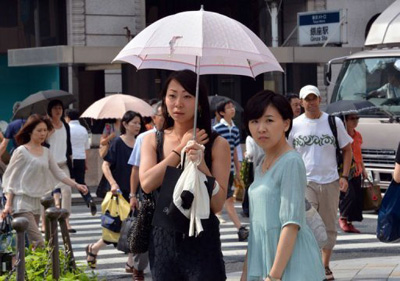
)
(126, 227)
(113, 206)
(388, 227)
(372, 196)
(238, 194)
(247, 172)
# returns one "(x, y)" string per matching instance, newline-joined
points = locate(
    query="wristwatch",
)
(273, 279)
(345, 177)
(132, 195)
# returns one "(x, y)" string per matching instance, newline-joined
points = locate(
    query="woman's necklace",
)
(178, 138)
(268, 164)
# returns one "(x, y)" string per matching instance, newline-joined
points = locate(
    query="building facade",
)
(69, 45)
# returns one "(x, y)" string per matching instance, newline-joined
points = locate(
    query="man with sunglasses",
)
(313, 138)
(351, 202)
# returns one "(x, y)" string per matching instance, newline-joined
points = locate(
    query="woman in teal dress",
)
(281, 245)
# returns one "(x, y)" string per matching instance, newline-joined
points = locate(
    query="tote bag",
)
(388, 227)
(115, 209)
(372, 197)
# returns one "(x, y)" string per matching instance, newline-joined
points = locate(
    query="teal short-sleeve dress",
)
(277, 198)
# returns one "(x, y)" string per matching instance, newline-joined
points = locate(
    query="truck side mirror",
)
(327, 74)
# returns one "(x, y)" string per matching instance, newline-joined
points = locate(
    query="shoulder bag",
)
(139, 235)
(388, 227)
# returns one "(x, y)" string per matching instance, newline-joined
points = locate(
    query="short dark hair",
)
(52, 104)
(128, 116)
(257, 105)
(289, 97)
(24, 134)
(72, 113)
(221, 105)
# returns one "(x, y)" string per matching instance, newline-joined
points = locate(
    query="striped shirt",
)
(231, 134)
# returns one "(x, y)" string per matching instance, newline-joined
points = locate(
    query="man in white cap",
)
(313, 138)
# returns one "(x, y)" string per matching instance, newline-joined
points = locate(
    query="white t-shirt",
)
(58, 144)
(79, 140)
(314, 140)
(254, 152)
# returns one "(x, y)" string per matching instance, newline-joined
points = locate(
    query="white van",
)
(374, 75)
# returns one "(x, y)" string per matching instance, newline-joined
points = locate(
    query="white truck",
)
(374, 75)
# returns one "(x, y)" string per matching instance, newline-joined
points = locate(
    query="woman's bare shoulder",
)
(150, 137)
(220, 143)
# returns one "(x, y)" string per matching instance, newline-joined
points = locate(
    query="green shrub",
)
(38, 261)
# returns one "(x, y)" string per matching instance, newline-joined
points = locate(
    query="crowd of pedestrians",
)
(291, 143)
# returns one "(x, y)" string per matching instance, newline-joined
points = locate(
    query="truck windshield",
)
(374, 79)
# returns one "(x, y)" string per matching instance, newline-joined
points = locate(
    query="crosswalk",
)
(111, 262)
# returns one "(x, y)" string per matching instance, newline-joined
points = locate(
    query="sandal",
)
(128, 268)
(91, 263)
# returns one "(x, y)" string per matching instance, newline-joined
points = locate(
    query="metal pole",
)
(196, 107)
(20, 225)
(274, 23)
(64, 214)
(53, 214)
(47, 202)
(36, 21)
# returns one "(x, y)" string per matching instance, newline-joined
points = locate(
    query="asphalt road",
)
(349, 245)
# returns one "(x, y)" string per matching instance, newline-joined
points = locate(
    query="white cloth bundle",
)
(193, 181)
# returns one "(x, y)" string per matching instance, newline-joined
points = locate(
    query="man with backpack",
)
(316, 140)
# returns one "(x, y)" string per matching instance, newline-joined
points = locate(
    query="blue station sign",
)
(316, 28)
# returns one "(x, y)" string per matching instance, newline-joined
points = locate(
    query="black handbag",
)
(123, 244)
(5, 226)
(7, 236)
(139, 236)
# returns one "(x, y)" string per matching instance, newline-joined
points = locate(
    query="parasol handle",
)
(196, 97)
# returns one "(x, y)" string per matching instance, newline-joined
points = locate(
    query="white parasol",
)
(204, 42)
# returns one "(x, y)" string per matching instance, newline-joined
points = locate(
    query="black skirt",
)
(176, 257)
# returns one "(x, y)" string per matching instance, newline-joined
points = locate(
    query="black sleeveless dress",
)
(176, 257)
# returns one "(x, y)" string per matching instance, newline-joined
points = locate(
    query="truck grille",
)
(379, 157)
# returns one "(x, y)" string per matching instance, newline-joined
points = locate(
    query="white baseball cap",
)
(309, 89)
